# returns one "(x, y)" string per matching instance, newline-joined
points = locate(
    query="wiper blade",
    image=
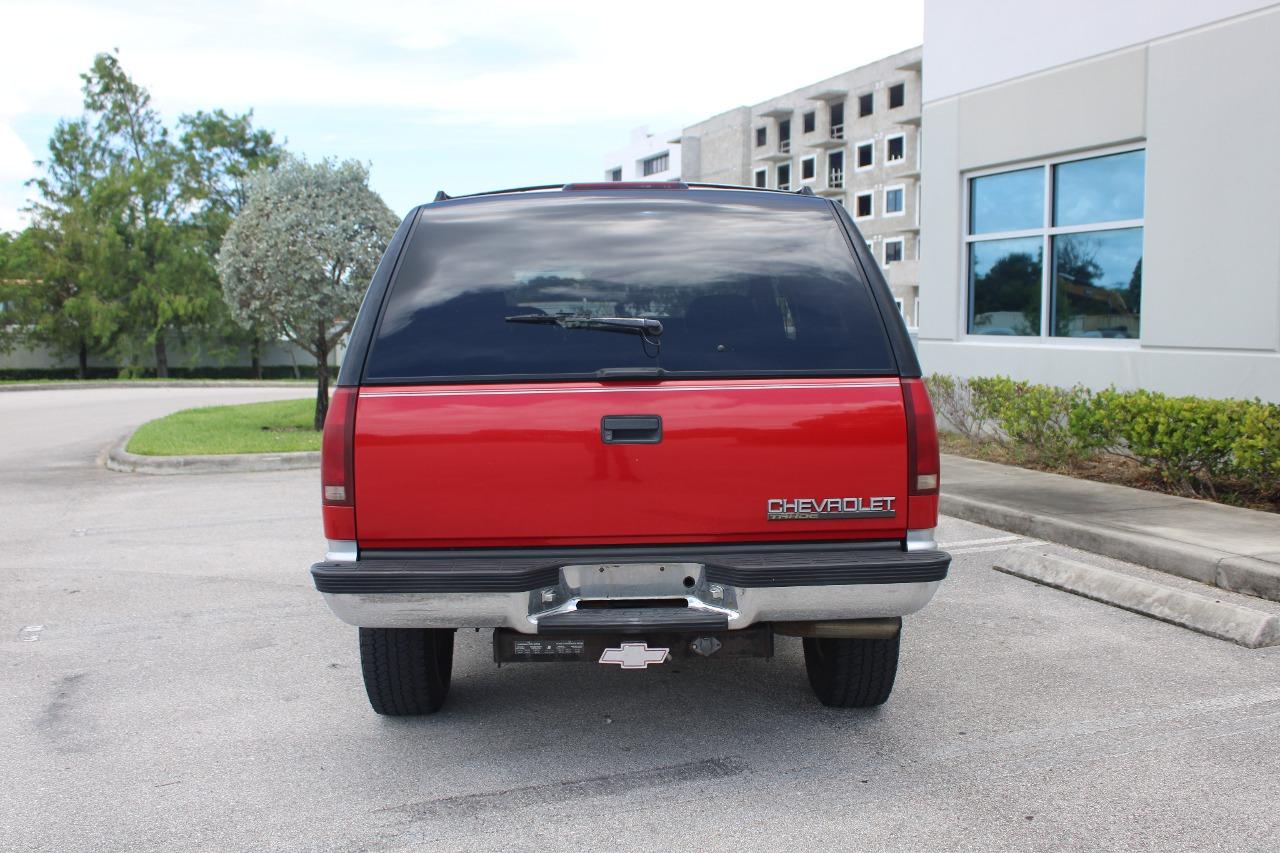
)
(646, 326)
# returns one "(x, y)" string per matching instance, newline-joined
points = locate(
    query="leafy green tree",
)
(158, 282)
(71, 253)
(219, 152)
(299, 257)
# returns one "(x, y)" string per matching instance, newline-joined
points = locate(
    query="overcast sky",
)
(461, 96)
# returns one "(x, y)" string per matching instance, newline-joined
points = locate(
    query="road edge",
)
(74, 385)
(117, 458)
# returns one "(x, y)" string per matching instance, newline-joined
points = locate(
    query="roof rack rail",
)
(706, 186)
(443, 196)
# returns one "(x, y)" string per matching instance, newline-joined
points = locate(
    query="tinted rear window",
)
(742, 286)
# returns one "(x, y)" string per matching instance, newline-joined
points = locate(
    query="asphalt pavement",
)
(170, 680)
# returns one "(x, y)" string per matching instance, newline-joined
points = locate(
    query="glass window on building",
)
(862, 205)
(1056, 249)
(892, 251)
(810, 121)
(893, 201)
(762, 136)
(866, 103)
(866, 153)
(897, 95)
(895, 148)
(615, 174)
(657, 164)
(762, 178)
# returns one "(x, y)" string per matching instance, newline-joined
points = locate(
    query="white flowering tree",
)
(298, 258)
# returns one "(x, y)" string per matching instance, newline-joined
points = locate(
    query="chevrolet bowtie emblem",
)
(634, 656)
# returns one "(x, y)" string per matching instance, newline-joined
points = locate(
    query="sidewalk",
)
(1232, 548)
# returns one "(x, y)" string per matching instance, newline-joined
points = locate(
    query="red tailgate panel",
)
(524, 465)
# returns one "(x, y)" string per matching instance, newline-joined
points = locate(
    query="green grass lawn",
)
(280, 426)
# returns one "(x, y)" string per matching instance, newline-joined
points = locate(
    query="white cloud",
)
(479, 63)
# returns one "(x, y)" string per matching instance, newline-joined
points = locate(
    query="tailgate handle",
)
(631, 429)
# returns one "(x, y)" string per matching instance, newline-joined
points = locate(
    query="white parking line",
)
(966, 542)
(1004, 546)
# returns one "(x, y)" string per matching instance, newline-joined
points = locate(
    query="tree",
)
(160, 281)
(72, 250)
(300, 255)
(219, 152)
(17, 276)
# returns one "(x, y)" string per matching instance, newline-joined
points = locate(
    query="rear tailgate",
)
(526, 465)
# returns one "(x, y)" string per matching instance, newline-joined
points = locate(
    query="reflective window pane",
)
(1004, 280)
(1011, 201)
(1097, 284)
(1100, 189)
(759, 286)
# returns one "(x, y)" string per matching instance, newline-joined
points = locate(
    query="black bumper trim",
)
(632, 620)
(525, 571)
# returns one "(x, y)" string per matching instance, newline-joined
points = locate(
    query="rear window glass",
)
(740, 287)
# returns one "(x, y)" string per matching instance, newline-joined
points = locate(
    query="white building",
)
(1101, 193)
(647, 157)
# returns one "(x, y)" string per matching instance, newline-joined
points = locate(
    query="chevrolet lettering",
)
(803, 509)
(547, 430)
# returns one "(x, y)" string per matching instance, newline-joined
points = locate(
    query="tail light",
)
(922, 456)
(922, 439)
(337, 465)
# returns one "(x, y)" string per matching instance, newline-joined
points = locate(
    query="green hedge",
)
(1194, 444)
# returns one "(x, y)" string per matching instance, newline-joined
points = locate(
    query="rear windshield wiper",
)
(645, 326)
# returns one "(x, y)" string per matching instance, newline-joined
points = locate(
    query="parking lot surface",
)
(171, 680)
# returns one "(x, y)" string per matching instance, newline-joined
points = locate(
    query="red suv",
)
(625, 423)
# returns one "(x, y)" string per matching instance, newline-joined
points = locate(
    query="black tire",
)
(849, 673)
(406, 670)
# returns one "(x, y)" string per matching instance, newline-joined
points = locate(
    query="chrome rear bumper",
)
(742, 585)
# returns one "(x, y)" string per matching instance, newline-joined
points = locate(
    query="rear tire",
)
(406, 670)
(851, 673)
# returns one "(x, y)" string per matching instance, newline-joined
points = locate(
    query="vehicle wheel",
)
(406, 670)
(850, 673)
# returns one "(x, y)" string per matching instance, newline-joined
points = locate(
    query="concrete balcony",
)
(834, 138)
(830, 96)
(780, 152)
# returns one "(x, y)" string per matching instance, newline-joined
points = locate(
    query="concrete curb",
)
(1207, 565)
(167, 383)
(116, 458)
(1253, 629)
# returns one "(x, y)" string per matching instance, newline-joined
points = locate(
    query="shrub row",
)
(1194, 444)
